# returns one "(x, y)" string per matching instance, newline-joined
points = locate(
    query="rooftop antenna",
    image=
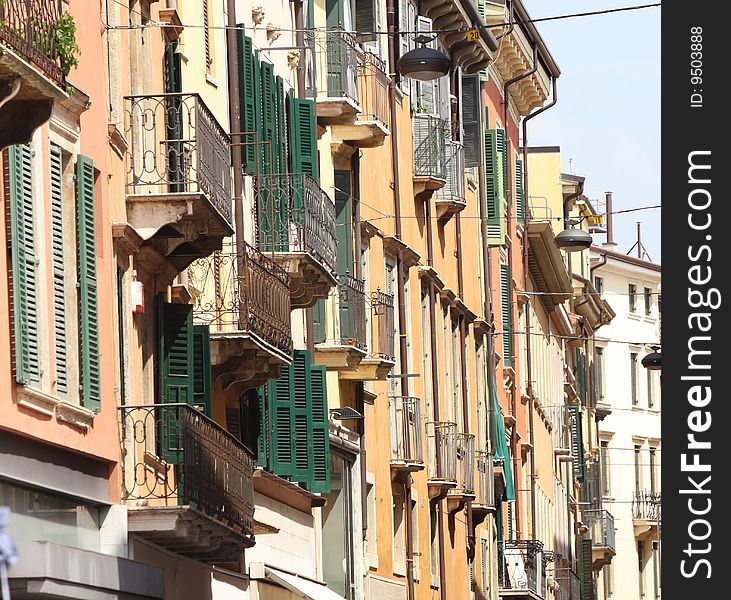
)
(641, 250)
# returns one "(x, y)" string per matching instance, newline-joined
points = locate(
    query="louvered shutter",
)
(281, 126)
(19, 185)
(519, 200)
(301, 416)
(586, 573)
(365, 20)
(503, 160)
(493, 189)
(482, 8)
(303, 137)
(427, 98)
(202, 389)
(266, 109)
(471, 101)
(581, 375)
(247, 100)
(88, 301)
(406, 23)
(176, 380)
(279, 420)
(263, 428)
(577, 443)
(174, 115)
(507, 320)
(319, 321)
(484, 572)
(59, 293)
(320, 463)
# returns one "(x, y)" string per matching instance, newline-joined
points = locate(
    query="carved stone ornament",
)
(257, 14)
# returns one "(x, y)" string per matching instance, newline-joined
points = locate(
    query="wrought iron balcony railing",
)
(567, 585)
(175, 455)
(454, 189)
(372, 88)
(176, 145)
(465, 463)
(29, 28)
(406, 446)
(522, 566)
(382, 309)
(339, 48)
(351, 305)
(441, 447)
(243, 291)
(485, 488)
(295, 215)
(646, 505)
(430, 152)
(601, 528)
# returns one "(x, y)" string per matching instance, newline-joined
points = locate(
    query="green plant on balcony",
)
(65, 43)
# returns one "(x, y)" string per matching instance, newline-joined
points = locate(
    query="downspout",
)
(435, 389)
(403, 355)
(511, 24)
(509, 232)
(528, 362)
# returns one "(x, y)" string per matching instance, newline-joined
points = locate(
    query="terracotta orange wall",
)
(102, 439)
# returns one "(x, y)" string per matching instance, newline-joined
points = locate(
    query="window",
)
(638, 468)
(507, 317)
(399, 530)
(426, 351)
(371, 533)
(650, 396)
(434, 538)
(632, 292)
(207, 36)
(456, 375)
(599, 284)
(337, 528)
(604, 457)
(653, 456)
(599, 367)
(648, 301)
(633, 378)
(414, 519)
(641, 567)
(608, 581)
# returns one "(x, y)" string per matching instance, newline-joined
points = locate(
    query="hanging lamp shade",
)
(573, 240)
(424, 64)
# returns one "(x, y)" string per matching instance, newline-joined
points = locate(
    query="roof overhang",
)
(546, 265)
(589, 304)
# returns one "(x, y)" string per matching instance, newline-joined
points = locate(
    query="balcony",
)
(430, 154)
(31, 73)
(347, 349)
(646, 506)
(601, 530)
(484, 502)
(178, 178)
(244, 299)
(406, 446)
(441, 448)
(465, 488)
(450, 199)
(296, 227)
(521, 569)
(336, 68)
(187, 482)
(567, 585)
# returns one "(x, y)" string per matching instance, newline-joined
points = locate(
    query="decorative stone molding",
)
(293, 59)
(273, 32)
(75, 415)
(257, 14)
(36, 400)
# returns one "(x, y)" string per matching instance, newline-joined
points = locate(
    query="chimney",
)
(609, 244)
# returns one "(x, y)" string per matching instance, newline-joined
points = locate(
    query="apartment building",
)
(59, 451)
(630, 443)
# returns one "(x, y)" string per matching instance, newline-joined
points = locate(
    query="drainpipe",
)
(403, 356)
(509, 232)
(235, 117)
(299, 25)
(511, 24)
(529, 364)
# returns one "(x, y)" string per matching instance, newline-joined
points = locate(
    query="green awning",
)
(502, 451)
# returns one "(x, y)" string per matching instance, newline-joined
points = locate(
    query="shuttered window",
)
(507, 317)
(18, 185)
(577, 443)
(247, 99)
(503, 160)
(293, 433)
(202, 368)
(365, 20)
(303, 137)
(586, 574)
(471, 103)
(484, 572)
(88, 301)
(494, 188)
(59, 288)
(519, 200)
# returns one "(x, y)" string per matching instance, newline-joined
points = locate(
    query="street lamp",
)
(424, 63)
(573, 240)
(652, 361)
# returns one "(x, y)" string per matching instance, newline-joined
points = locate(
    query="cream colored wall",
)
(545, 190)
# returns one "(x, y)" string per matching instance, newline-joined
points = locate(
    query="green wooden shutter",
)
(507, 317)
(519, 200)
(88, 301)
(581, 375)
(247, 100)
(345, 254)
(270, 158)
(303, 137)
(493, 190)
(19, 185)
(59, 287)
(503, 159)
(586, 573)
(302, 416)
(262, 429)
(281, 140)
(174, 119)
(471, 101)
(280, 420)
(320, 464)
(176, 381)
(577, 443)
(202, 387)
(319, 321)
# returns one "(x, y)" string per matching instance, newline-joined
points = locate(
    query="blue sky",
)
(607, 119)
